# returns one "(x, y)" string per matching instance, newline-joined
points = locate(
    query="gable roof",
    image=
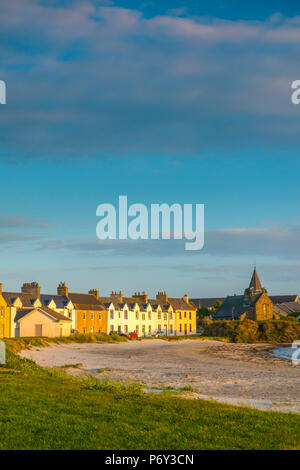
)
(235, 305)
(232, 307)
(22, 312)
(26, 299)
(85, 301)
(61, 301)
(180, 304)
(287, 307)
(280, 299)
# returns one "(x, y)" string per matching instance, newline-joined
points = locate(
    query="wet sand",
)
(240, 374)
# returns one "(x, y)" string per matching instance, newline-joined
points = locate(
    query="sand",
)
(240, 374)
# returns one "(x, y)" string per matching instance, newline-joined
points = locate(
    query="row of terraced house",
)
(31, 313)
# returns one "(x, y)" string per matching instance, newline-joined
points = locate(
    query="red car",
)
(133, 334)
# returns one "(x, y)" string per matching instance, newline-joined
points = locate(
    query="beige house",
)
(41, 321)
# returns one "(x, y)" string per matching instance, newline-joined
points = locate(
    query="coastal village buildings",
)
(30, 313)
(255, 304)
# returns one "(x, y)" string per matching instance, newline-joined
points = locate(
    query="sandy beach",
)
(240, 374)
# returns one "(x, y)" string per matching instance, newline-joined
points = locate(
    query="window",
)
(126, 328)
(184, 314)
(92, 316)
(171, 329)
(265, 308)
(100, 316)
(111, 314)
(84, 330)
(143, 317)
(143, 329)
(136, 315)
(190, 315)
(84, 315)
(149, 315)
(165, 316)
(70, 313)
(119, 315)
(190, 327)
(137, 329)
(149, 329)
(171, 316)
(179, 315)
(111, 327)
(126, 315)
(180, 327)
(92, 329)
(2, 330)
(159, 315)
(2, 310)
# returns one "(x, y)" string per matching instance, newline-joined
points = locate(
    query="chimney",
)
(143, 297)
(186, 298)
(62, 289)
(0, 288)
(162, 297)
(117, 296)
(95, 293)
(31, 288)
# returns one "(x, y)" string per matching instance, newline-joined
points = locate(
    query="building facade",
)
(91, 314)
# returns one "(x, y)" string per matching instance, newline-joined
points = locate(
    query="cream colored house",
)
(41, 321)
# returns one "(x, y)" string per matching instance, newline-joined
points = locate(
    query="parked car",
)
(121, 334)
(133, 334)
(159, 333)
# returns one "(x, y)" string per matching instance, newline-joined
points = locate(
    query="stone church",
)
(255, 304)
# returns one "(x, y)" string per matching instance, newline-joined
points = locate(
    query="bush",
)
(248, 331)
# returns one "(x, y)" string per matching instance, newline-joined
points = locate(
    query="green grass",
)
(48, 409)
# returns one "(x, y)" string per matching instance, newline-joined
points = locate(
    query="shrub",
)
(248, 331)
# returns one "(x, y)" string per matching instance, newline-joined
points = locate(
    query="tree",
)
(217, 305)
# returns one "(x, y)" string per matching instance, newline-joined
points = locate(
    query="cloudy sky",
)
(182, 101)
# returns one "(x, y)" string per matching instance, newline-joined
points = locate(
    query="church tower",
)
(255, 286)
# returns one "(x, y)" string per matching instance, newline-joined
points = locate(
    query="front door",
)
(38, 330)
(185, 329)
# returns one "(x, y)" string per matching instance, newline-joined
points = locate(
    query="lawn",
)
(42, 409)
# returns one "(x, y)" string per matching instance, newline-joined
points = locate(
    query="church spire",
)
(255, 284)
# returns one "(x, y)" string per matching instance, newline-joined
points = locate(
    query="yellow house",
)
(4, 317)
(185, 315)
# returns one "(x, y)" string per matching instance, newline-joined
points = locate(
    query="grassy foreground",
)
(46, 409)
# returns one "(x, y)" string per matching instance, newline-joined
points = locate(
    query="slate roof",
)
(85, 301)
(280, 299)
(26, 299)
(234, 306)
(179, 304)
(61, 301)
(287, 307)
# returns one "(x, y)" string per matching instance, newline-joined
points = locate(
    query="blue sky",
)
(164, 102)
